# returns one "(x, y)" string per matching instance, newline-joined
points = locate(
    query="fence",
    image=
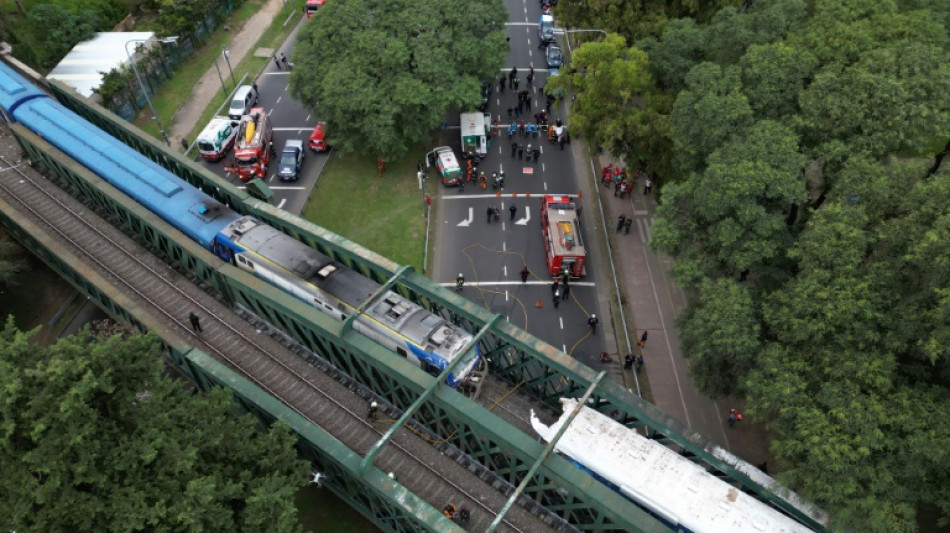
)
(157, 65)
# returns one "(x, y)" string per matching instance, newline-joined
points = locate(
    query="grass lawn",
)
(173, 93)
(383, 214)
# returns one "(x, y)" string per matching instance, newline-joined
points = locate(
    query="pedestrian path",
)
(654, 302)
(206, 90)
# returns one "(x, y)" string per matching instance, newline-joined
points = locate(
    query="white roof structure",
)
(82, 65)
(676, 489)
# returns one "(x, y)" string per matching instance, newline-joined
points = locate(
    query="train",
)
(399, 325)
(671, 487)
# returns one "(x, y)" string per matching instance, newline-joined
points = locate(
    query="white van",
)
(244, 99)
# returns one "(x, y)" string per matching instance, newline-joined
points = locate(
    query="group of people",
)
(623, 185)
(623, 223)
(462, 515)
(529, 154)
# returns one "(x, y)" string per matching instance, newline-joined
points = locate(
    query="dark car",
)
(554, 57)
(291, 159)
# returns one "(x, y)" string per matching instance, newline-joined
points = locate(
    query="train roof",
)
(15, 89)
(660, 479)
(192, 212)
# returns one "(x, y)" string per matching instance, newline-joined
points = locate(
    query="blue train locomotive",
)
(399, 325)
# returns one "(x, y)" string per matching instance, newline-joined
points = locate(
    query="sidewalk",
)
(652, 301)
(207, 88)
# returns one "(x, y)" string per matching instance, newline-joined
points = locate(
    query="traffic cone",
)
(580, 194)
(538, 305)
(498, 193)
(514, 194)
(527, 194)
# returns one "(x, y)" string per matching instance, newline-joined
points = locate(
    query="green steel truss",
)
(517, 357)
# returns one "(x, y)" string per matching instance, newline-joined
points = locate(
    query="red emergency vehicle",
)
(313, 6)
(563, 245)
(254, 146)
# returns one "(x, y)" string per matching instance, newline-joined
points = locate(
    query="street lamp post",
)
(228, 61)
(142, 85)
(223, 87)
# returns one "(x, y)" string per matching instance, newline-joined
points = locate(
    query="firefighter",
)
(592, 323)
(459, 282)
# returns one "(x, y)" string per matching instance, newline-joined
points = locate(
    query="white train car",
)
(675, 489)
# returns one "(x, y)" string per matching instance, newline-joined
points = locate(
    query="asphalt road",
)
(290, 119)
(490, 255)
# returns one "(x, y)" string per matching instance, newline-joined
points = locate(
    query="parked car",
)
(318, 141)
(546, 28)
(245, 97)
(554, 57)
(291, 159)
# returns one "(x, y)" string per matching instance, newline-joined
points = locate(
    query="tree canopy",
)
(809, 219)
(385, 74)
(95, 439)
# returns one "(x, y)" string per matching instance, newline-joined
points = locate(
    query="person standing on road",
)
(592, 323)
(514, 149)
(491, 212)
(373, 408)
(626, 226)
(524, 274)
(628, 361)
(647, 186)
(620, 222)
(555, 286)
(195, 321)
(536, 153)
(513, 210)
(277, 62)
(520, 151)
(643, 339)
(567, 290)
(459, 283)
(557, 298)
(530, 76)
(283, 59)
(639, 362)
(512, 74)
(501, 85)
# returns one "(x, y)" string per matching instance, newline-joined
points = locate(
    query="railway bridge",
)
(283, 361)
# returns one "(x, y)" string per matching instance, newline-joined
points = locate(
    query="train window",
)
(401, 351)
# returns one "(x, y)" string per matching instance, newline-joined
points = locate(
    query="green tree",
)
(773, 75)
(95, 439)
(735, 212)
(386, 73)
(60, 29)
(721, 335)
(675, 53)
(891, 100)
(709, 112)
(615, 104)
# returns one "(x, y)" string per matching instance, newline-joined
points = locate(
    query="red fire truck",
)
(563, 245)
(254, 146)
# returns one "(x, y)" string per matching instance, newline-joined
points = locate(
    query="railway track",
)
(316, 396)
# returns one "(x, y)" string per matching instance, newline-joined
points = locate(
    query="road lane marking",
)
(279, 188)
(509, 283)
(471, 216)
(527, 216)
(281, 204)
(477, 196)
